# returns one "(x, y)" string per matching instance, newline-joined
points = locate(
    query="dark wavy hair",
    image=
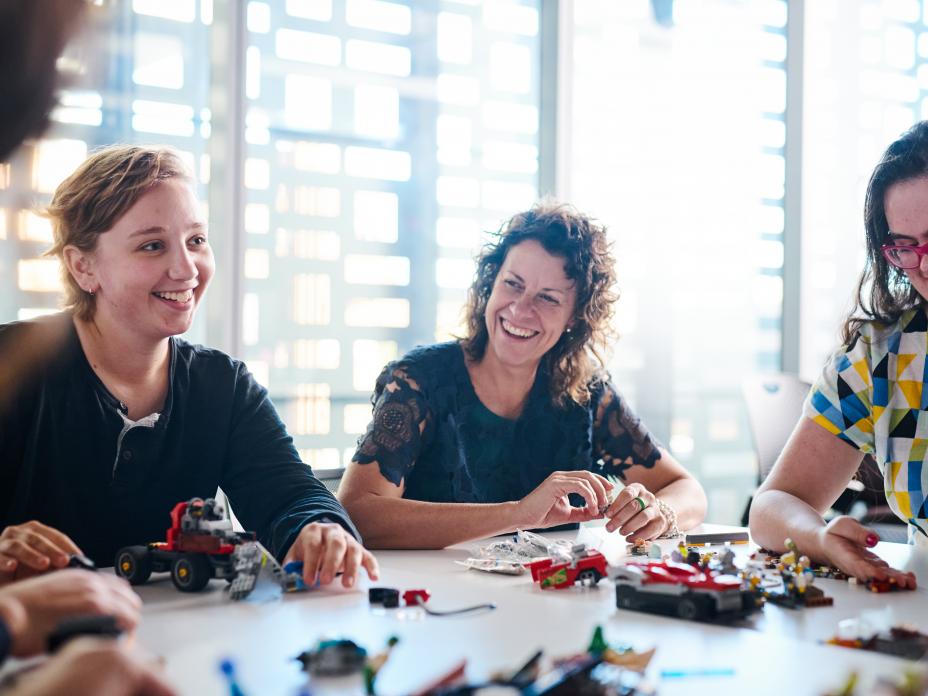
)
(884, 291)
(577, 358)
(32, 35)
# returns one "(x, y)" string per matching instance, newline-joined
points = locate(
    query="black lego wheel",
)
(624, 597)
(687, 609)
(191, 572)
(134, 564)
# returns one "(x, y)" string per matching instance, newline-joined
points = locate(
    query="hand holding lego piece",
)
(549, 505)
(91, 667)
(326, 549)
(33, 548)
(31, 609)
(846, 543)
(635, 513)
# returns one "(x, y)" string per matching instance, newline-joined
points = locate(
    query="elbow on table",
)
(371, 520)
(760, 523)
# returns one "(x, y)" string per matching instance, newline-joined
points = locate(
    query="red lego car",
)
(683, 590)
(200, 545)
(585, 567)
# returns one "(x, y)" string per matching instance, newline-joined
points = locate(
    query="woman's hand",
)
(327, 549)
(548, 505)
(32, 608)
(845, 544)
(635, 513)
(32, 548)
(94, 667)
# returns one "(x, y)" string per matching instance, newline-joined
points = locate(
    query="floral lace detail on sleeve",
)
(394, 435)
(619, 437)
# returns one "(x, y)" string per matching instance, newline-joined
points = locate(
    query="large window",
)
(374, 145)
(865, 82)
(676, 138)
(382, 140)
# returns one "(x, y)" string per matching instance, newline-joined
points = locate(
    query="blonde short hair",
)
(93, 199)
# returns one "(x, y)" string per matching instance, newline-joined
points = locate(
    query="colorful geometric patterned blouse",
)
(871, 395)
(431, 432)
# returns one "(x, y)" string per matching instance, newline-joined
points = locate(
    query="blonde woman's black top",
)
(70, 458)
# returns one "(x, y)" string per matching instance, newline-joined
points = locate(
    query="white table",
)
(778, 651)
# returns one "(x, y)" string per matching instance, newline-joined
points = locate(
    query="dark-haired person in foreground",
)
(499, 430)
(871, 397)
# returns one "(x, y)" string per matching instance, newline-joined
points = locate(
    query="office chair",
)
(774, 405)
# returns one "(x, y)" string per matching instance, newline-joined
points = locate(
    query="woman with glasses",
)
(871, 397)
(517, 425)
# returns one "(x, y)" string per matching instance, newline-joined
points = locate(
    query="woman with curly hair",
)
(871, 396)
(516, 425)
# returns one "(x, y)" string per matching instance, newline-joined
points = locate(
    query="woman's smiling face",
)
(531, 305)
(151, 269)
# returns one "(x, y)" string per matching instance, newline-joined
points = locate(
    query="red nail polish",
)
(872, 539)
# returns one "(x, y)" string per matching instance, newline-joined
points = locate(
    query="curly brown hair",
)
(90, 201)
(577, 359)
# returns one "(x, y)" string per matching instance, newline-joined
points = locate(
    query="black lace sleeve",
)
(619, 437)
(395, 434)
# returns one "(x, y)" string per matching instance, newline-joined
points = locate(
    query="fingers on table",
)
(35, 545)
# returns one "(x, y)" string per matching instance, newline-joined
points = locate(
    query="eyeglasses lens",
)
(903, 258)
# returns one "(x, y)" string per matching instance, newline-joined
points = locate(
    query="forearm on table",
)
(397, 523)
(687, 499)
(777, 515)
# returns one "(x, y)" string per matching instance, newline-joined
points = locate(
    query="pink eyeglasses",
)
(905, 257)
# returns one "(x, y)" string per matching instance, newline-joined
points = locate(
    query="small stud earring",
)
(567, 331)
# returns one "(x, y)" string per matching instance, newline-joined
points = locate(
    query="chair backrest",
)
(774, 403)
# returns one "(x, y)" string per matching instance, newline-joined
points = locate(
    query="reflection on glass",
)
(377, 111)
(321, 354)
(320, 10)
(376, 216)
(159, 60)
(370, 269)
(376, 57)
(377, 312)
(312, 298)
(368, 356)
(390, 17)
(307, 102)
(38, 275)
(177, 10)
(455, 38)
(375, 163)
(54, 161)
(308, 47)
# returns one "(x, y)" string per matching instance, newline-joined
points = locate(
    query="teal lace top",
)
(465, 453)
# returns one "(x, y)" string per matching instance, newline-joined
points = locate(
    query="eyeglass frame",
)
(920, 251)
